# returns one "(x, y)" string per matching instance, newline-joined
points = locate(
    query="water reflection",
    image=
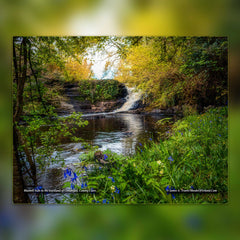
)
(120, 132)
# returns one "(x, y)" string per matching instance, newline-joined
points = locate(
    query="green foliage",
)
(194, 155)
(178, 70)
(99, 90)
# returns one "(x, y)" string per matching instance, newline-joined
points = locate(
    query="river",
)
(117, 131)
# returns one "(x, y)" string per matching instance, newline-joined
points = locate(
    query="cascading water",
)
(131, 99)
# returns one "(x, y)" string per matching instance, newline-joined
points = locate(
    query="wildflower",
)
(141, 150)
(112, 188)
(219, 135)
(159, 162)
(140, 144)
(85, 168)
(168, 189)
(74, 178)
(82, 185)
(170, 159)
(98, 202)
(104, 201)
(181, 133)
(68, 172)
(105, 157)
(100, 168)
(150, 139)
(117, 190)
(192, 187)
(161, 172)
(85, 185)
(72, 186)
(112, 179)
(38, 188)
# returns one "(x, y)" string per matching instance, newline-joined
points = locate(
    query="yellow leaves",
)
(78, 70)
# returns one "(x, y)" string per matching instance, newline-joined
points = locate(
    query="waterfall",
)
(131, 99)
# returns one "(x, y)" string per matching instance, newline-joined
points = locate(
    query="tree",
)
(30, 56)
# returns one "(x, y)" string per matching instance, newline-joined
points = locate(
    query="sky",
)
(99, 59)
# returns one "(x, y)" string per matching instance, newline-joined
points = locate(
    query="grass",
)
(194, 156)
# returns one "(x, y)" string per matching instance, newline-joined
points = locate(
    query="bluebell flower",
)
(85, 168)
(38, 188)
(112, 179)
(141, 150)
(104, 201)
(167, 190)
(140, 144)
(150, 139)
(105, 157)
(181, 133)
(98, 202)
(82, 185)
(107, 202)
(219, 135)
(170, 159)
(117, 190)
(192, 187)
(85, 185)
(74, 178)
(100, 168)
(93, 201)
(72, 186)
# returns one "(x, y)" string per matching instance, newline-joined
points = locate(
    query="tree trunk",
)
(20, 77)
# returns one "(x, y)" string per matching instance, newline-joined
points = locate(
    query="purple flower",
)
(105, 157)
(167, 190)
(150, 139)
(140, 144)
(170, 159)
(117, 190)
(104, 201)
(112, 179)
(192, 187)
(82, 185)
(72, 186)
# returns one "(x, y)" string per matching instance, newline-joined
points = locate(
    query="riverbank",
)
(193, 157)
